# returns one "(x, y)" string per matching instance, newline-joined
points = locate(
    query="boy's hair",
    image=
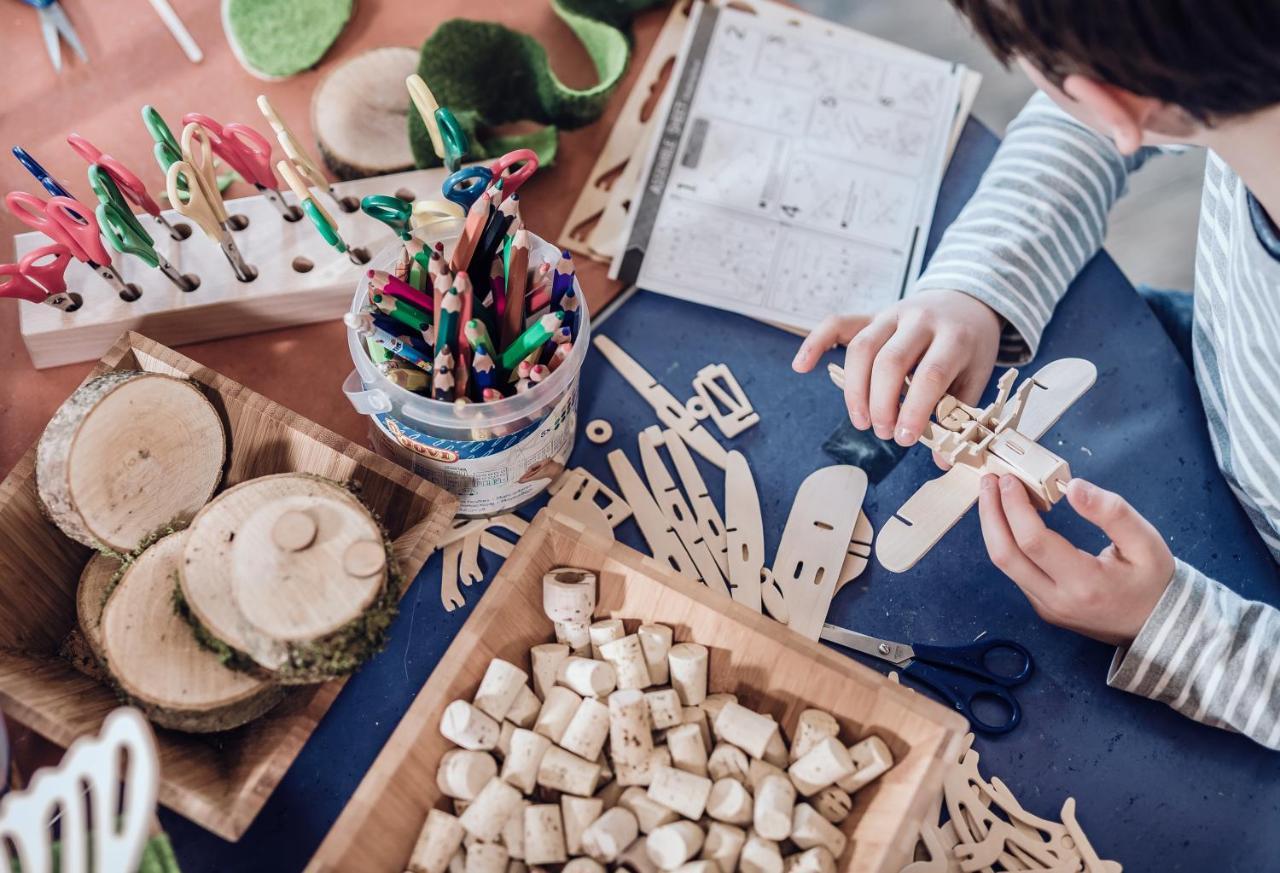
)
(1211, 59)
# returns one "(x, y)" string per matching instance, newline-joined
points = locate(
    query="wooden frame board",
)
(220, 782)
(773, 669)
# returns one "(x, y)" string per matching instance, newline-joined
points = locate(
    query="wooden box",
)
(301, 279)
(771, 668)
(221, 782)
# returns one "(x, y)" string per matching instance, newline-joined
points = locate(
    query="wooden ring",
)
(599, 431)
(698, 407)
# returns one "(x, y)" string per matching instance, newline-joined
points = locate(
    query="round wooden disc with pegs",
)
(154, 657)
(91, 596)
(276, 567)
(126, 454)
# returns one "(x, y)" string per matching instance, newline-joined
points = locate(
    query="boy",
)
(1127, 77)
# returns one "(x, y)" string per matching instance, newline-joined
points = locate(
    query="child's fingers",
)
(834, 330)
(1003, 548)
(896, 359)
(1050, 551)
(1131, 533)
(857, 366)
(936, 372)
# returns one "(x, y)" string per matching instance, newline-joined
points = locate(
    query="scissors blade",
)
(885, 650)
(68, 32)
(49, 28)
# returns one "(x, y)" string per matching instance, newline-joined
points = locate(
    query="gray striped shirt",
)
(1038, 216)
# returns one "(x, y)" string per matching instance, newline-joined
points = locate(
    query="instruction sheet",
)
(795, 172)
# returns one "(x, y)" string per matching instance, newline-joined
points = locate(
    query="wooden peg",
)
(294, 531)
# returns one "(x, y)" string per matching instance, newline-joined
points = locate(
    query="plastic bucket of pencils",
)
(493, 455)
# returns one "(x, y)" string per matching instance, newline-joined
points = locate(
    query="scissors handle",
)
(125, 179)
(391, 211)
(466, 185)
(186, 193)
(242, 148)
(963, 691)
(975, 659)
(511, 181)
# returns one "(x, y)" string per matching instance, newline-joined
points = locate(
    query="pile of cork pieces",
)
(618, 756)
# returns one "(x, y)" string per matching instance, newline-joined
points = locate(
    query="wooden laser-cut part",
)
(859, 552)
(669, 411)
(718, 395)
(460, 561)
(815, 543)
(744, 532)
(705, 512)
(664, 545)
(82, 793)
(1000, 439)
(676, 509)
(577, 494)
(599, 431)
(221, 306)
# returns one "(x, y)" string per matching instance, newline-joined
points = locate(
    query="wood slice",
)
(360, 114)
(91, 598)
(154, 657)
(126, 455)
(292, 571)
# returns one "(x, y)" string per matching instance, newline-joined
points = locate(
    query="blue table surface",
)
(1155, 790)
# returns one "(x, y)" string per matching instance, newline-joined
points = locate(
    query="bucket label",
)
(492, 474)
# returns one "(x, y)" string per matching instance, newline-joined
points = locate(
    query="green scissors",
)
(166, 150)
(123, 230)
(453, 137)
(395, 213)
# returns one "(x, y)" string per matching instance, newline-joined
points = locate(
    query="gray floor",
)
(1153, 229)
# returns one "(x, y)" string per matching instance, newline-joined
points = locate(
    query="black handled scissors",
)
(960, 675)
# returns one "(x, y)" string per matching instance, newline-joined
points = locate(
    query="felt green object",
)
(275, 39)
(490, 75)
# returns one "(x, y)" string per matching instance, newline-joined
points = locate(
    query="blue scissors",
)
(466, 185)
(44, 177)
(960, 675)
(54, 24)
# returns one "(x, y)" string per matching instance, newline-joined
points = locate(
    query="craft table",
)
(1156, 791)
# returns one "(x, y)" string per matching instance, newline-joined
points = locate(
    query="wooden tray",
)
(773, 669)
(220, 781)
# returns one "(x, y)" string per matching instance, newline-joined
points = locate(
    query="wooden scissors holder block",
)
(771, 668)
(301, 278)
(218, 781)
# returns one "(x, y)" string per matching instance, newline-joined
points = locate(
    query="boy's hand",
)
(948, 338)
(1107, 596)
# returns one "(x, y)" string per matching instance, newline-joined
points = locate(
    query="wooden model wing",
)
(926, 516)
(1058, 384)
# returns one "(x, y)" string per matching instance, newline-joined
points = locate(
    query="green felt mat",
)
(490, 75)
(280, 38)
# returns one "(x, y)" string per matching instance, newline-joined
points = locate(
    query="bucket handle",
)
(365, 401)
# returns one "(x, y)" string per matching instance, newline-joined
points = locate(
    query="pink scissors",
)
(511, 181)
(248, 153)
(56, 219)
(39, 278)
(128, 183)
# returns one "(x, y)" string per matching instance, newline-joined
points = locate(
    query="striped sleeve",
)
(1039, 214)
(1211, 655)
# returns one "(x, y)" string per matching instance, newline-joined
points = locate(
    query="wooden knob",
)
(364, 558)
(294, 531)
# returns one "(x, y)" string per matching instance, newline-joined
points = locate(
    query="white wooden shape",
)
(705, 512)
(744, 531)
(577, 494)
(816, 541)
(718, 395)
(664, 545)
(859, 552)
(95, 833)
(221, 306)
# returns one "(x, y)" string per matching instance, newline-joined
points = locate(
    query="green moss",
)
(279, 38)
(227, 656)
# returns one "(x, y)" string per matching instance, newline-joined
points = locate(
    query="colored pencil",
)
(517, 277)
(447, 325)
(385, 283)
(362, 323)
(531, 340)
(563, 279)
(486, 371)
(569, 305)
(442, 375)
(472, 230)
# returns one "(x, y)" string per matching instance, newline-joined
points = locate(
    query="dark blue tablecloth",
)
(1155, 791)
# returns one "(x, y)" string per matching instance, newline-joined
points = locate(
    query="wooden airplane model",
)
(1000, 439)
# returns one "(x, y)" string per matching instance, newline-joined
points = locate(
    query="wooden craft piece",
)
(577, 493)
(744, 532)
(676, 510)
(859, 553)
(288, 611)
(91, 598)
(620, 152)
(156, 661)
(301, 278)
(1000, 439)
(668, 410)
(599, 431)
(664, 545)
(450, 595)
(100, 827)
(941, 857)
(128, 454)
(1092, 863)
(705, 512)
(727, 404)
(359, 129)
(815, 543)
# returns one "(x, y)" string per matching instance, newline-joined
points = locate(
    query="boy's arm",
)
(1210, 654)
(1039, 214)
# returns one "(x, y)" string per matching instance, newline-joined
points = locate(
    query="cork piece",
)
(128, 454)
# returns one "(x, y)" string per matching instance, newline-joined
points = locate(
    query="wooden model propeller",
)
(999, 439)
